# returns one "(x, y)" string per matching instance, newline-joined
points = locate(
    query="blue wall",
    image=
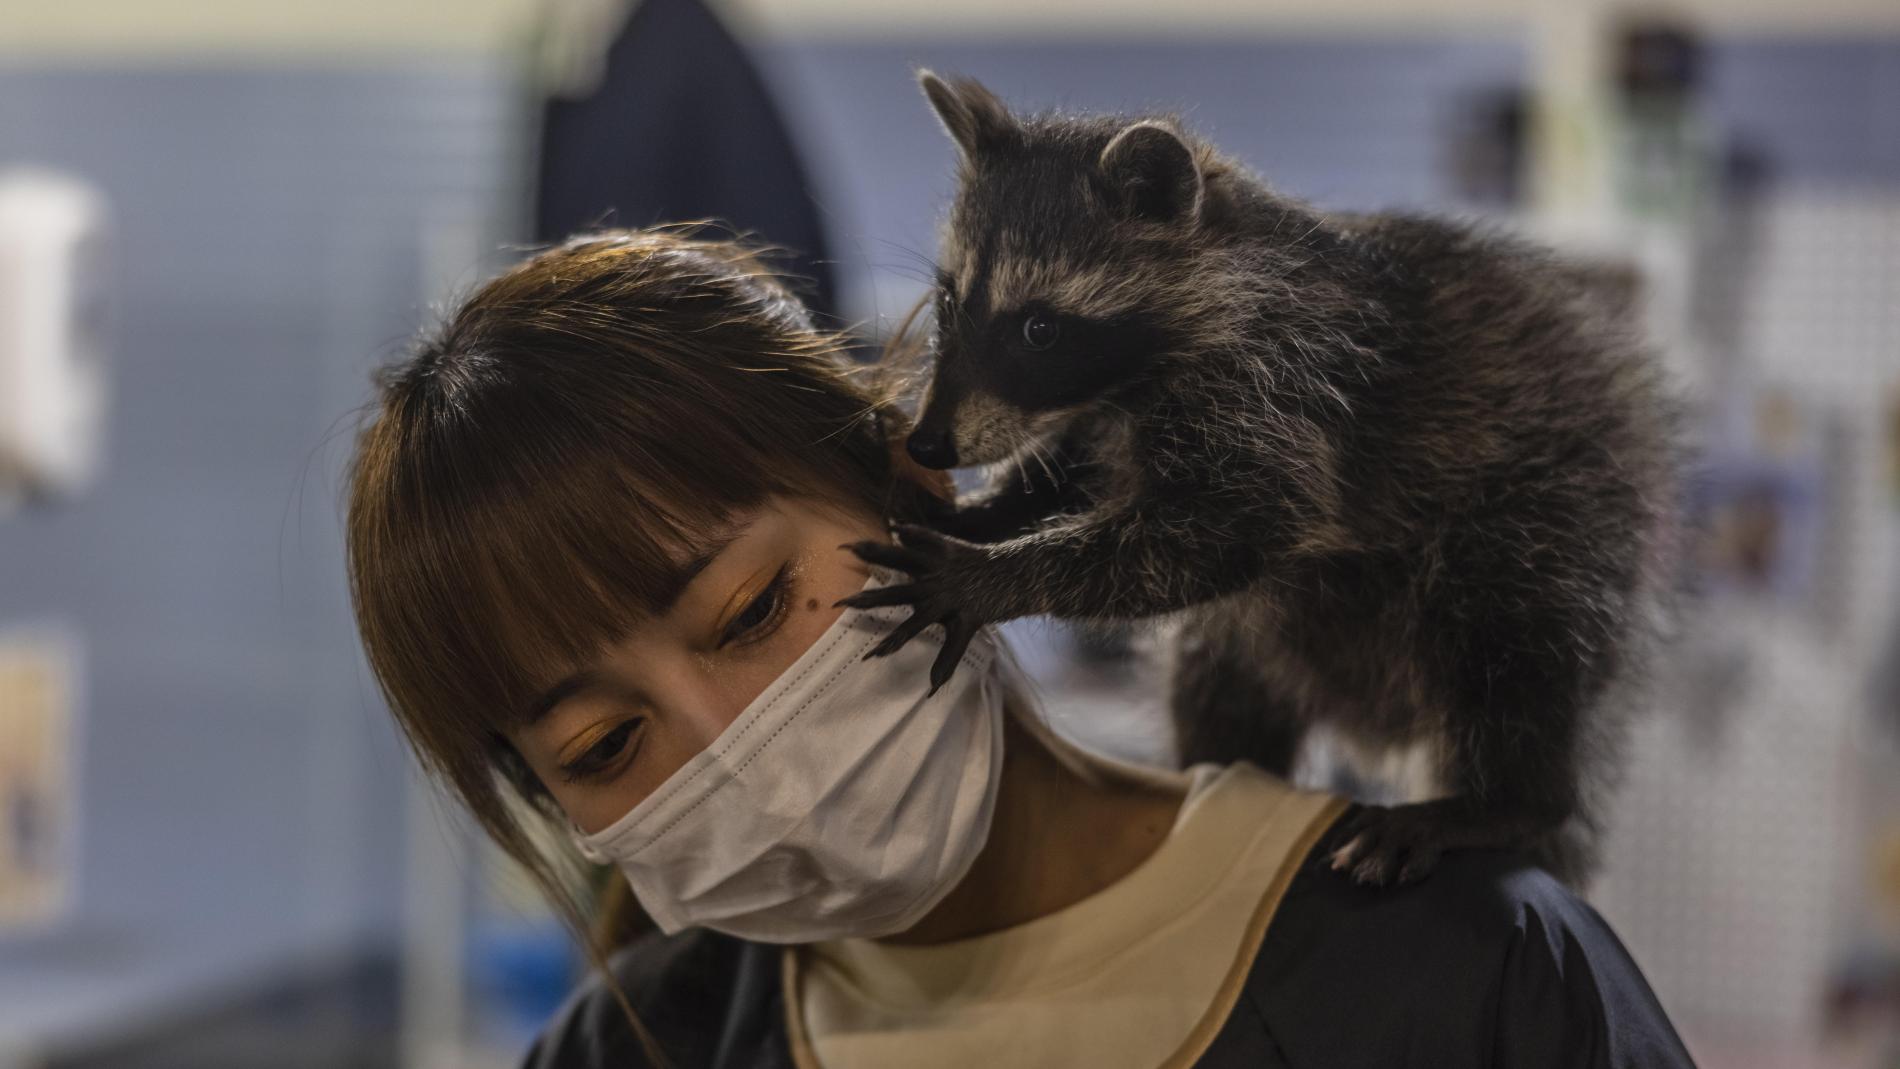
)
(241, 803)
(1826, 110)
(1344, 121)
(1341, 121)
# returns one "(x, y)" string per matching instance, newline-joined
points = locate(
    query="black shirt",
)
(1487, 962)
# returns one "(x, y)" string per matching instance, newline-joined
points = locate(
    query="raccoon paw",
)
(1402, 843)
(1393, 844)
(930, 559)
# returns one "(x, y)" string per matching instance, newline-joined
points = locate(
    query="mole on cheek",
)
(811, 604)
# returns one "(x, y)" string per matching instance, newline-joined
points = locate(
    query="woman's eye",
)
(759, 614)
(604, 752)
(1040, 330)
(755, 614)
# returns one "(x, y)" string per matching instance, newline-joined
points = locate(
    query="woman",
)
(599, 532)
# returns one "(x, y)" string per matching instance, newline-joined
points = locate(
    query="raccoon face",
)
(1055, 275)
(1011, 377)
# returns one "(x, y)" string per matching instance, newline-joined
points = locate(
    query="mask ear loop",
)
(580, 844)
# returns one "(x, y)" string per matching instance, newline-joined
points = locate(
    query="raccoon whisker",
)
(1039, 451)
(923, 260)
(926, 276)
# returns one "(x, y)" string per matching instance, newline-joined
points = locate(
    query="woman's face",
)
(756, 597)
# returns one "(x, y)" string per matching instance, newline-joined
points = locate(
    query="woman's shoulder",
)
(1488, 952)
(1472, 899)
(1470, 896)
(1488, 960)
(689, 990)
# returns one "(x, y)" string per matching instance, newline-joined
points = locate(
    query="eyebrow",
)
(677, 579)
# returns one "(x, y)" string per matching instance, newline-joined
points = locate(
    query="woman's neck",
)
(1058, 836)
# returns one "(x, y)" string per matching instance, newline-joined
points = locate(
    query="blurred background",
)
(217, 217)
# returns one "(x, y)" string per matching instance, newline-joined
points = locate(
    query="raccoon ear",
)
(975, 119)
(1150, 172)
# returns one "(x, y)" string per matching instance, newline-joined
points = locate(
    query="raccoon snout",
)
(932, 448)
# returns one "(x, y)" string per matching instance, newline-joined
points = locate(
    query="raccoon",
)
(1399, 476)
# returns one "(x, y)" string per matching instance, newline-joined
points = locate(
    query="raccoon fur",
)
(1402, 477)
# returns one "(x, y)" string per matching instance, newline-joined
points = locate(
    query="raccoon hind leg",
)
(1522, 692)
(1225, 708)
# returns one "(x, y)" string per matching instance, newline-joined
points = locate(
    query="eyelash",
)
(592, 764)
(779, 591)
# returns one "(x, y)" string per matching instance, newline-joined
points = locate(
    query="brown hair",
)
(534, 462)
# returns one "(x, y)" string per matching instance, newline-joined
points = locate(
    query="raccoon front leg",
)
(928, 556)
(1159, 553)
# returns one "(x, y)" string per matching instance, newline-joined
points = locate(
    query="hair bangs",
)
(535, 566)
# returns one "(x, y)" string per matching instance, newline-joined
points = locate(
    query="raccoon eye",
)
(1039, 330)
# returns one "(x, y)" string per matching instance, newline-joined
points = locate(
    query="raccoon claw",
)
(879, 597)
(889, 555)
(926, 540)
(958, 633)
(1387, 845)
(924, 554)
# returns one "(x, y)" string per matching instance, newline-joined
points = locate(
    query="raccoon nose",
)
(932, 449)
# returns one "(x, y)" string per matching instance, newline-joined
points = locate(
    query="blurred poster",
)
(37, 781)
(1891, 420)
(1759, 507)
(54, 326)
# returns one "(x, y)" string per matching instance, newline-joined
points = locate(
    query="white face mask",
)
(842, 801)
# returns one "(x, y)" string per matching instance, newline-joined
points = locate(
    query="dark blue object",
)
(682, 127)
(523, 970)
